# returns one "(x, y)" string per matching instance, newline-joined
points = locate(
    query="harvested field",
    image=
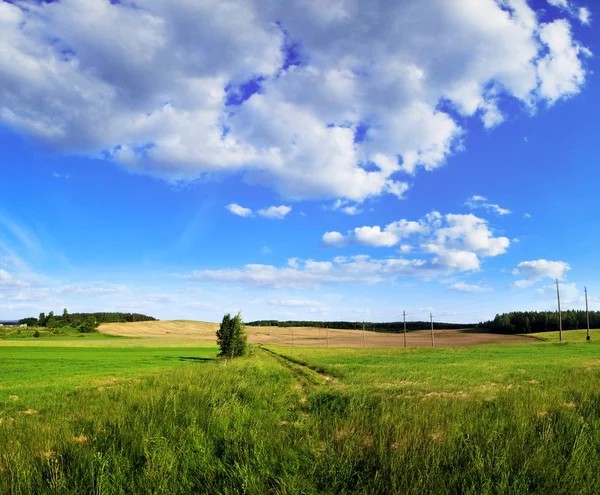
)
(311, 337)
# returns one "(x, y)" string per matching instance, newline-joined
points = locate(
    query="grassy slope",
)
(568, 336)
(491, 419)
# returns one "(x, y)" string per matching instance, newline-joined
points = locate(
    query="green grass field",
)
(116, 417)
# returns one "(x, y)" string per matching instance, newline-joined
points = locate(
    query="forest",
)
(74, 319)
(396, 326)
(540, 321)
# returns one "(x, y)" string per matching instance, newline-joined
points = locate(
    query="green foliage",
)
(231, 336)
(74, 319)
(394, 326)
(540, 321)
(30, 322)
(88, 325)
(36, 334)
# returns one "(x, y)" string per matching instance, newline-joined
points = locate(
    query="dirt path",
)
(310, 337)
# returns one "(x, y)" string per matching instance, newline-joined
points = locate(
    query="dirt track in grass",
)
(311, 337)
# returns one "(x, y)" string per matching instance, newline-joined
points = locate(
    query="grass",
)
(67, 333)
(490, 419)
(568, 336)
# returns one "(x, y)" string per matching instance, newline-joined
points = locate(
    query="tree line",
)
(540, 321)
(395, 326)
(84, 322)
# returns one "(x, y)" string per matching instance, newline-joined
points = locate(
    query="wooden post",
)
(404, 315)
(587, 315)
(559, 313)
(432, 337)
(364, 337)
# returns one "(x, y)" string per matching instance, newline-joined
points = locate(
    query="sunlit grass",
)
(489, 419)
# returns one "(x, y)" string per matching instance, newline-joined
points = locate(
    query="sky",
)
(298, 159)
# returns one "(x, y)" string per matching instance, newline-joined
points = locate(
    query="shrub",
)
(36, 334)
(231, 336)
(88, 325)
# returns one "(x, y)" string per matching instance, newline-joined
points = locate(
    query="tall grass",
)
(514, 419)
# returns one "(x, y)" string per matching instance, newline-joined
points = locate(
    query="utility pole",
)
(559, 313)
(587, 315)
(327, 335)
(432, 337)
(364, 337)
(404, 315)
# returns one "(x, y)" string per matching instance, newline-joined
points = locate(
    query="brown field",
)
(309, 337)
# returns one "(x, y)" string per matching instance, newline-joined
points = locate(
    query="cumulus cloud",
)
(481, 202)
(277, 212)
(238, 210)
(457, 241)
(166, 88)
(534, 271)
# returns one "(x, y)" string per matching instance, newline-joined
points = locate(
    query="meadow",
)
(136, 416)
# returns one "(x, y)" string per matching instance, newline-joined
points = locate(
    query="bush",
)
(37, 334)
(231, 336)
(88, 325)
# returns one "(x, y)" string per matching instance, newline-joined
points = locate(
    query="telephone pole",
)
(404, 315)
(587, 315)
(559, 313)
(432, 337)
(364, 336)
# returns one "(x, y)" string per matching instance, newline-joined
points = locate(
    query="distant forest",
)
(71, 319)
(396, 326)
(542, 321)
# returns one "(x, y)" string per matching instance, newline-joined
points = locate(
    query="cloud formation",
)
(457, 241)
(276, 212)
(238, 210)
(481, 202)
(534, 271)
(313, 99)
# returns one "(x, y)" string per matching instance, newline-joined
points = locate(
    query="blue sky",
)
(303, 161)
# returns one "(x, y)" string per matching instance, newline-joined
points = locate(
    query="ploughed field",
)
(312, 337)
(133, 415)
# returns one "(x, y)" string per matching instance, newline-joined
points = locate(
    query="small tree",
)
(88, 325)
(231, 336)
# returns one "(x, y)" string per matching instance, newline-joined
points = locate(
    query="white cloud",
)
(470, 288)
(584, 16)
(569, 293)
(278, 212)
(582, 13)
(457, 241)
(238, 210)
(311, 274)
(482, 202)
(346, 207)
(561, 70)
(158, 86)
(533, 271)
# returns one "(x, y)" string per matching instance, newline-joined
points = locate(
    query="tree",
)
(42, 320)
(231, 336)
(88, 325)
(65, 317)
